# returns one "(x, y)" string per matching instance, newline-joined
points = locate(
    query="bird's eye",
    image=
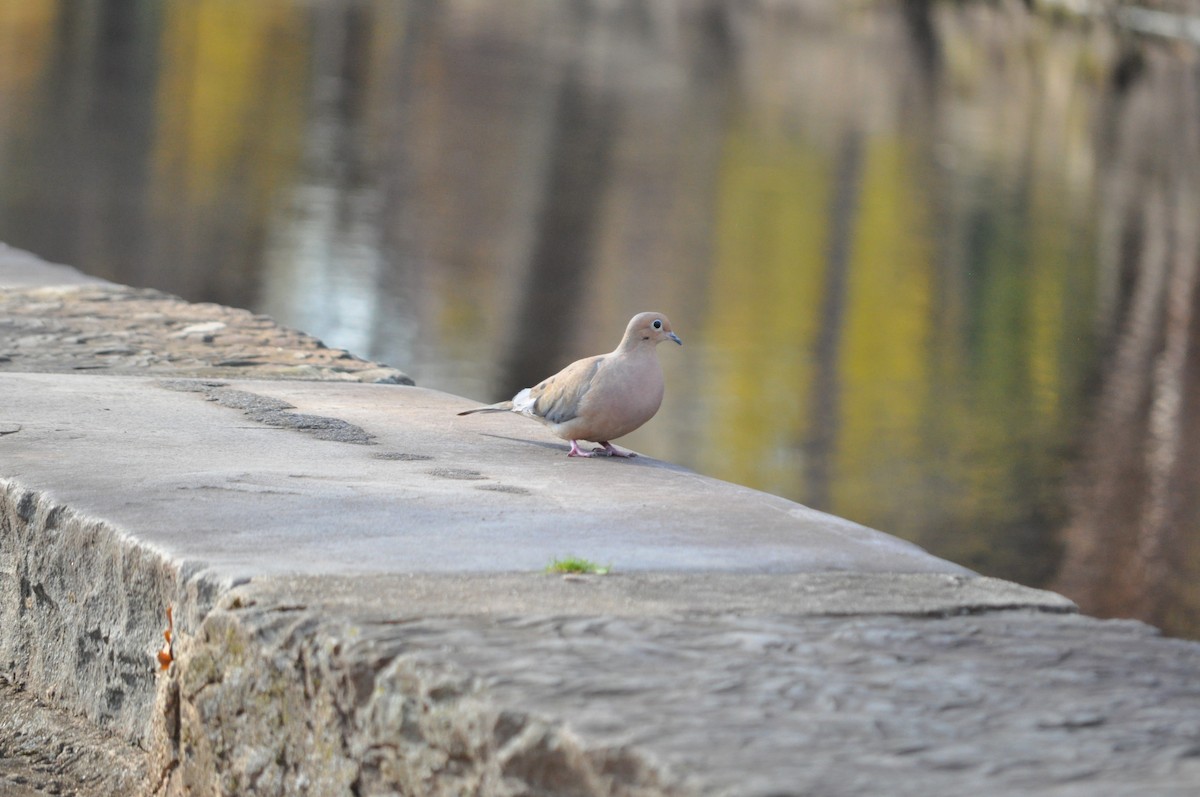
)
(657, 324)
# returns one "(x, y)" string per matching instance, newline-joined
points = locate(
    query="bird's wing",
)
(558, 398)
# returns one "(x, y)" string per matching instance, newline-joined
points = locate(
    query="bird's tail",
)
(503, 406)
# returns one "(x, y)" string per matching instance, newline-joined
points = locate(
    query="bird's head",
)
(653, 328)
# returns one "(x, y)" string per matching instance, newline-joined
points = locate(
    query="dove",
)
(600, 398)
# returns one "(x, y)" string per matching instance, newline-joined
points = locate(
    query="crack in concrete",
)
(273, 412)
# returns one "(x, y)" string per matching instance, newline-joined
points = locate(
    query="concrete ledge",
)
(679, 703)
(830, 594)
(94, 327)
(374, 478)
(360, 608)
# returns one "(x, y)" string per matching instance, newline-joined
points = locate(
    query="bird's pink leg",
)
(577, 452)
(613, 451)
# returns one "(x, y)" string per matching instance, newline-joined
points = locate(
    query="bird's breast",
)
(621, 399)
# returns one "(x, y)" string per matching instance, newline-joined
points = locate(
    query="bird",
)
(598, 399)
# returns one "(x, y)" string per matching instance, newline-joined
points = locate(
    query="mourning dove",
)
(600, 398)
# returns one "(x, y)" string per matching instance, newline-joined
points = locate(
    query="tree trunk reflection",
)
(1131, 545)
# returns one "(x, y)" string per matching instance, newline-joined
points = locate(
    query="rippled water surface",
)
(934, 265)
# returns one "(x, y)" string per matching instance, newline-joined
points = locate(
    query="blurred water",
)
(929, 261)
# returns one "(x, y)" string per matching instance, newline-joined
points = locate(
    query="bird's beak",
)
(675, 338)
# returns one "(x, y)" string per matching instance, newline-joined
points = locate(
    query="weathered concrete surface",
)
(619, 700)
(82, 608)
(54, 319)
(355, 574)
(43, 750)
(432, 492)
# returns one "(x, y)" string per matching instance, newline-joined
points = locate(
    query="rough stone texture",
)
(291, 701)
(399, 697)
(83, 607)
(114, 329)
(997, 704)
(43, 751)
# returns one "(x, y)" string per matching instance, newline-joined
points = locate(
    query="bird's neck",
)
(633, 345)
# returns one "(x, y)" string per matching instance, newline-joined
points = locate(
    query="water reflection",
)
(934, 263)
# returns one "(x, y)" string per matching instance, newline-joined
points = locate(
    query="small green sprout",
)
(573, 564)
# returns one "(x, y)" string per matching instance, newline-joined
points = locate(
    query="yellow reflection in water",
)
(228, 67)
(766, 284)
(883, 364)
(949, 387)
(27, 36)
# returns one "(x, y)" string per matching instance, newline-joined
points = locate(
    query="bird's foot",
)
(576, 451)
(610, 450)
